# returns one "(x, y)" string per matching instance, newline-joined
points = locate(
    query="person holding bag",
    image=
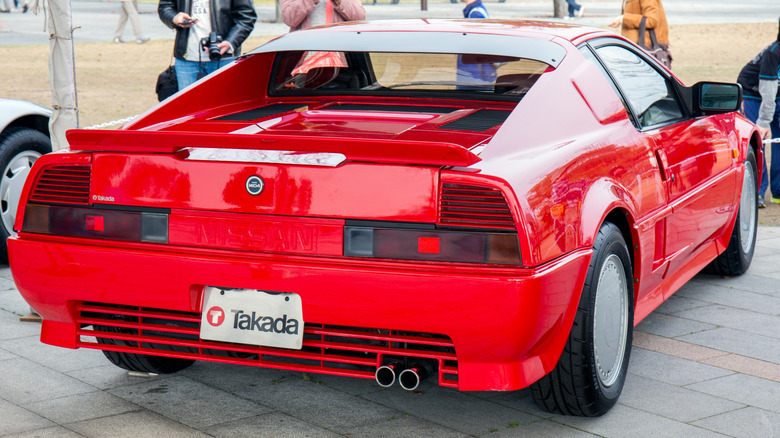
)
(651, 14)
(300, 14)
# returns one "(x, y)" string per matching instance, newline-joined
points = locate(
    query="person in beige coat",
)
(129, 11)
(632, 13)
(300, 14)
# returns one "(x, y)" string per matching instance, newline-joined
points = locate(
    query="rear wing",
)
(354, 149)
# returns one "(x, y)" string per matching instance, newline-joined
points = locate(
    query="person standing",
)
(759, 80)
(470, 74)
(300, 14)
(631, 18)
(474, 9)
(575, 9)
(129, 11)
(233, 21)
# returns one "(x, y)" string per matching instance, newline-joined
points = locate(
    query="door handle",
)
(663, 165)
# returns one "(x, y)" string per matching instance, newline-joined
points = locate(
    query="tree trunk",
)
(560, 9)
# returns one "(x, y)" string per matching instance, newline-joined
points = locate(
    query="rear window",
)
(322, 72)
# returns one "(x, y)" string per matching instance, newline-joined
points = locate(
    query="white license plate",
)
(248, 316)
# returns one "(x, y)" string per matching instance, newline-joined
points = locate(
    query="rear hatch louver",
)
(475, 206)
(262, 112)
(62, 184)
(478, 121)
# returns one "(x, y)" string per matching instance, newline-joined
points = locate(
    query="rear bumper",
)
(508, 326)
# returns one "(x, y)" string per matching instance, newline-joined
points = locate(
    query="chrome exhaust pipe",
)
(410, 378)
(385, 375)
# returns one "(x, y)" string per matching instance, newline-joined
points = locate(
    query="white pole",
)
(62, 72)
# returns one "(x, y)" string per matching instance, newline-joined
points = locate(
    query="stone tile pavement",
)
(706, 363)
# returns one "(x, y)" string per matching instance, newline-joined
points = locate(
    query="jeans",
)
(573, 7)
(751, 106)
(187, 72)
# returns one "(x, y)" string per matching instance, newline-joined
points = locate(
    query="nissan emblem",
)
(254, 185)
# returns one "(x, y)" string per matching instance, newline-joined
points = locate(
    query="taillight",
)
(433, 245)
(140, 226)
(475, 225)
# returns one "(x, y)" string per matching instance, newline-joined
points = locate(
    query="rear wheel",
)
(19, 149)
(736, 259)
(590, 373)
(139, 362)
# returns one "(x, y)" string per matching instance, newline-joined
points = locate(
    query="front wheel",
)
(736, 259)
(591, 371)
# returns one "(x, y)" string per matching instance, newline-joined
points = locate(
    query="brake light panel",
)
(431, 244)
(475, 226)
(107, 223)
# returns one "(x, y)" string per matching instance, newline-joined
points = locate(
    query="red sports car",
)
(493, 203)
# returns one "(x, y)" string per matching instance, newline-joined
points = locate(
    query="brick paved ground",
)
(706, 363)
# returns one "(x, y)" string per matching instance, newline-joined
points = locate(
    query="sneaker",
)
(761, 203)
(118, 40)
(5, 11)
(775, 200)
(581, 12)
(24, 9)
(142, 40)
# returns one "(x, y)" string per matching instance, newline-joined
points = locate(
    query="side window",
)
(648, 93)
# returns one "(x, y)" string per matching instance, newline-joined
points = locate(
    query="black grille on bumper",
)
(346, 351)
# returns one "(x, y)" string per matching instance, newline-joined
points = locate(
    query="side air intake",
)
(474, 206)
(63, 184)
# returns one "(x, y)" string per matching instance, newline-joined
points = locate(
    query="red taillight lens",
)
(434, 245)
(94, 223)
(428, 245)
(139, 226)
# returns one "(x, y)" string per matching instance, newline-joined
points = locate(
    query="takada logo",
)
(215, 316)
(254, 185)
(268, 324)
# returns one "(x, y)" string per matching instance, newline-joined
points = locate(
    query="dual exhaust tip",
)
(409, 378)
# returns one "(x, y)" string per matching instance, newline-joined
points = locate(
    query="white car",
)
(24, 137)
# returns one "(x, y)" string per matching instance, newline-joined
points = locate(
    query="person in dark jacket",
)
(225, 24)
(761, 104)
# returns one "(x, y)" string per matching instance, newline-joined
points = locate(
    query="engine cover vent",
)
(261, 112)
(390, 108)
(479, 121)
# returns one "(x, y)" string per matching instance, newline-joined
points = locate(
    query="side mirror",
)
(716, 98)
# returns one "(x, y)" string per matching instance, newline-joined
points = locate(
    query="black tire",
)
(590, 373)
(139, 362)
(19, 148)
(736, 259)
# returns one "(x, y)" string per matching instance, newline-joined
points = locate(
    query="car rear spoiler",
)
(355, 149)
